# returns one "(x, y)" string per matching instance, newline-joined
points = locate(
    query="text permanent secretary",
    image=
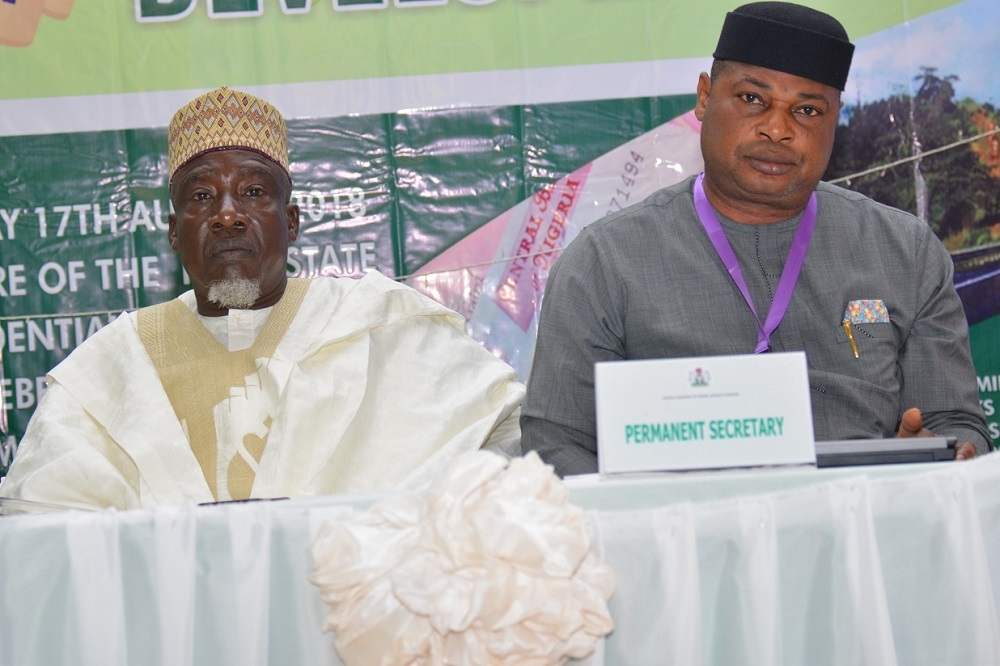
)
(683, 431)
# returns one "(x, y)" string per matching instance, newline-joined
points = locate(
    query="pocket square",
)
(867, 311)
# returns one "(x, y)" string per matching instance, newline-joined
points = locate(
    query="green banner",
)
(84, 216)
(99, 48)
(986, 352)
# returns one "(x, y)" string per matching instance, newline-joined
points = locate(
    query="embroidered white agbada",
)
(347, 386)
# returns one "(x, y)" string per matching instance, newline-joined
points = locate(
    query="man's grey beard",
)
(234, 293)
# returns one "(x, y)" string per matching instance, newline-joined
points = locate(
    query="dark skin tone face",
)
(766, 138)
(232, 219)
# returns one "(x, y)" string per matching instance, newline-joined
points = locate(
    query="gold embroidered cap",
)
(226, 119)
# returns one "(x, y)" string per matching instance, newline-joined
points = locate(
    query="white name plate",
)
(703, 413)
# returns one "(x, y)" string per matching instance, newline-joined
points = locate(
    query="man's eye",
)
(809, 111)
(255, 191)
(201, 195)
(750, 98)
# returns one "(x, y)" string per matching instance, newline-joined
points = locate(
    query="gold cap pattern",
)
(226, 119)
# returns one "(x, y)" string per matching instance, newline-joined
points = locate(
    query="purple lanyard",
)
(789, 275)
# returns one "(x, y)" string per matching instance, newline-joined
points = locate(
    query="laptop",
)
(847, 452)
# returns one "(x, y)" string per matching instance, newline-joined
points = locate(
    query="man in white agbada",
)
(252, 384)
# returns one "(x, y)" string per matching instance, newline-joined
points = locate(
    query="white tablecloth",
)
(878, 565)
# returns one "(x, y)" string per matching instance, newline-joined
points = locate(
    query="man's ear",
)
(292, 213)
(704, 88)
(172, 231)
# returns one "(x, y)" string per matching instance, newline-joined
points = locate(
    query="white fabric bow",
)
(490, 565)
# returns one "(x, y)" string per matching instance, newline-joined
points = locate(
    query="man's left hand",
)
(912, 425)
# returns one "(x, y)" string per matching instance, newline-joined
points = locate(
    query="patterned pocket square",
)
(867, 311)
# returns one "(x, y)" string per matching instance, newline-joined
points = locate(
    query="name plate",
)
(703, 413)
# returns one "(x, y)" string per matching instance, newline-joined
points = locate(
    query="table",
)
(874, 565)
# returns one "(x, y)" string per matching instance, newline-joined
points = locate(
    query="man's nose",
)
(229, 214)
(776, 125)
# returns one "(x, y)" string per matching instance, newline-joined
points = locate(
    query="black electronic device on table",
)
(847, 452)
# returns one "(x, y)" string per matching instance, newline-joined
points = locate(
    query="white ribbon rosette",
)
(490, 565)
